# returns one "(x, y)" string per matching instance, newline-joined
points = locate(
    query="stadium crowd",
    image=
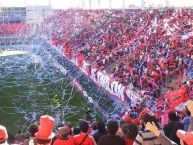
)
(146, 131)
(149, 51)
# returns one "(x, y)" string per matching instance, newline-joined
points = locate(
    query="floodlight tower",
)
(110, 6)
(90, 4)
(167, 3)
(142, 4)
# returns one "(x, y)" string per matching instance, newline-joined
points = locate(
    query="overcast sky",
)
(94, 3)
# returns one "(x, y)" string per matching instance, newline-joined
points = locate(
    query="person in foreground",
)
(3, 135)
(145, 137)
(65, 138)
(45, 135)
(111, 138)
(186, 137)
(33, 129)
(84, 138)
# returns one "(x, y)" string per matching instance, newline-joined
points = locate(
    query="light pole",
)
(110, 4)
(167, 3)
(123, 4)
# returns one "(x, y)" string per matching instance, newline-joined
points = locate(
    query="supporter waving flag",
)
(177, 96)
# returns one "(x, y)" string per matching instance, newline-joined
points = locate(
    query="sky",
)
(94, 3)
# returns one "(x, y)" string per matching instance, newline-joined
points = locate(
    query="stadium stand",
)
(129, 51)
(138, 55)
(13, 27)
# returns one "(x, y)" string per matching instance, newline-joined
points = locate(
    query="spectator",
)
(120, 131)
(185, 136)
(101, 131)
(130, 132)
(171, 128)
(188, 136)
(83, 138)
(186, 120)
(65, 138)
(76, 130)
(19, 137)
(11, 138)
(33, 129)
(111, 138)
(146, 137)
(94, 128)
(44, 135)
(3, 135)
(161, 137)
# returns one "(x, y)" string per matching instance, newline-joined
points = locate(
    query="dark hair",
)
(84, 126)
(112, 127)
(76, 130)
(188, 112)
(19, 131)
(69, 125)
(172, 116)
(130, 130)
(41, 141)
(149, 117)
(122, 122)
(33, 128)
(94, 126)
(101, 126)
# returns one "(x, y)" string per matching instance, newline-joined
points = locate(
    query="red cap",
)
(185, 136)
(45, 128)
(3, 133)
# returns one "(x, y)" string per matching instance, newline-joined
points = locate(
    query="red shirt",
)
(128, 141)
(88, 141)
(64, 142)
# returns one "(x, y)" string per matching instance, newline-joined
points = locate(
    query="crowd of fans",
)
(14, 33)
(148, 131)
(145, 50)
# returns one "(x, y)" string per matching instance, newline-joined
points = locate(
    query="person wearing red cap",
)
(83, 138)
(45, 135)
(3, 135)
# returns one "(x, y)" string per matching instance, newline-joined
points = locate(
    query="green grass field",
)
(27, 92)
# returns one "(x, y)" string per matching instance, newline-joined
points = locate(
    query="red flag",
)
(80, 59)
(54, 41)
(65, 36)
(66, 49)
(177, 96)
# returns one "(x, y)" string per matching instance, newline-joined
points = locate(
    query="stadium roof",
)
(93, 4)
